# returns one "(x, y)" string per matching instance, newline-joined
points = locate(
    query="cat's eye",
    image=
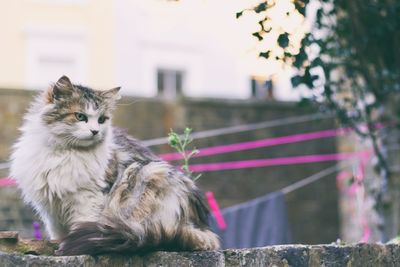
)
(102, 119)
(81, 117)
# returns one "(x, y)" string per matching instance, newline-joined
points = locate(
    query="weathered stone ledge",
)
(285, 255)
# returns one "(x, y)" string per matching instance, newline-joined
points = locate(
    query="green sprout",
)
(180, 143)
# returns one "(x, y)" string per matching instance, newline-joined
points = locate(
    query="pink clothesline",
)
(244, 164)
(208, 151)
(7, 182)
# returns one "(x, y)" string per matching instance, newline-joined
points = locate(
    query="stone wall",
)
(312, 210)
(362, 255)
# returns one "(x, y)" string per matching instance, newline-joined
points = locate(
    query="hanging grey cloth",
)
(256, 223)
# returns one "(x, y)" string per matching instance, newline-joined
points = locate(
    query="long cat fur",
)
(102, 192)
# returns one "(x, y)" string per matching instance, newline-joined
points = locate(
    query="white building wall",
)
(52, 53)
(153, 34)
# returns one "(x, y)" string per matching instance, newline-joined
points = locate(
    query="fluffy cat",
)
(96, 188)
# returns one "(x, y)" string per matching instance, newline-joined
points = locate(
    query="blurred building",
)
(42, 39)
(166, 48)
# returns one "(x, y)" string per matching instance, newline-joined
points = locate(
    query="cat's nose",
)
(94, 132)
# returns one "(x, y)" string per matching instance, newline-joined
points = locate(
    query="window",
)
(261, 88)
(170, 82)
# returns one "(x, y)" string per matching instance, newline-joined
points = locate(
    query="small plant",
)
(180, 143)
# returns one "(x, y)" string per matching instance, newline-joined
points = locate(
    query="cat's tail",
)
(93, 238)
(96, 238)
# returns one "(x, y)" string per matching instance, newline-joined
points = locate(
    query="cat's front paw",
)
(210, 241)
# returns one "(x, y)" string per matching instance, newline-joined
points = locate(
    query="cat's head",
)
(78, 116)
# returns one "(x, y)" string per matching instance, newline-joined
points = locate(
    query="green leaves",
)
(300, 58)
(173, 139)
(180, 144)
(265, 54)
(261, 7)
(258, 36)
(283, 40)
(296, 80)
(306, 79)
(300, 6)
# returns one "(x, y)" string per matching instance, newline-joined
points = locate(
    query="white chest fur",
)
(62, 171)
(63, 185)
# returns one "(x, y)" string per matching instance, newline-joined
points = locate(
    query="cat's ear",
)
(63, 88)
(111, 93)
